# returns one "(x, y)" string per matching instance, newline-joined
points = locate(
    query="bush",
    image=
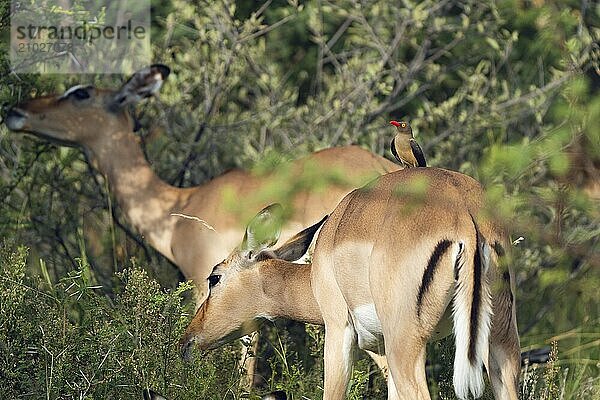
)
(70, 341)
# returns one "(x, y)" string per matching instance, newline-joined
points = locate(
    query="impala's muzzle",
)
(186, 344)
(191, 339)
(16, 119)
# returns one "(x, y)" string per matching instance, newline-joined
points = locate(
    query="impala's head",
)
(236, 303)
(83, 113)
(402, 127)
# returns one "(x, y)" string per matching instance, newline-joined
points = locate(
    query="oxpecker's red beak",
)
(395, 123)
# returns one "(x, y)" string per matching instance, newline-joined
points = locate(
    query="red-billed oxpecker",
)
(405, 148)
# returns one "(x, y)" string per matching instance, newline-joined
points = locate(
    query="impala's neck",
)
(288, 291)
(146, 200)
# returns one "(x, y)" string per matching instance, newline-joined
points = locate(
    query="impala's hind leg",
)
(505, 351)
(406, 358)
(340, 336)
(410, 299)
(339, 347)
(404, 348)
(392, 393)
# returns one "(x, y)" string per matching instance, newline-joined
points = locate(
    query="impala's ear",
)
(264, 229)
(297, 246)
(144, 83)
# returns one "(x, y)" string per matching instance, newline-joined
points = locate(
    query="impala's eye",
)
(213, 280)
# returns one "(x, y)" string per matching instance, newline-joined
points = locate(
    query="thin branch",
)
(340, 31)
(8, 189)
(267, 29)
(317, 84)
(193, 217)
(535, 93)
(192, 155)
(262, 8)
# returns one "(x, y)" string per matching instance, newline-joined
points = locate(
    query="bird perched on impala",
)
(405, 148)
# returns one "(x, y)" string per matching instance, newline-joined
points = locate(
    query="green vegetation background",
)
(505, 91)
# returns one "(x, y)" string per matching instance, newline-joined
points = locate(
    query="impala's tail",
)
(472, 312)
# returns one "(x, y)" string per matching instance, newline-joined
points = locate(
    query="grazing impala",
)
(97, 121)
(386, 265)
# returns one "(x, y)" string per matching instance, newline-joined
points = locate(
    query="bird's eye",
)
(213, 280)
(404, 125)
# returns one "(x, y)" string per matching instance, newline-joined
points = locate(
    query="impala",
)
(387, 263)
(97, 121)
